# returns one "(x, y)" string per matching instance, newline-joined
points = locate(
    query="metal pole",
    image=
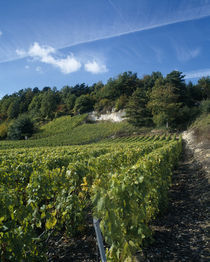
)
(99, 239)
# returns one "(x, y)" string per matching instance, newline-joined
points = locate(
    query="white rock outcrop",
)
(112, 116)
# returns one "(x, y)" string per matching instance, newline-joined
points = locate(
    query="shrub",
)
(205, 106)
(3, 130)
(21, 128)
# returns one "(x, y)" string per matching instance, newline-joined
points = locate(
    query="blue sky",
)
(65, 42)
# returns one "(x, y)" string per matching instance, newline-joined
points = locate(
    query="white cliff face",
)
(113, 116)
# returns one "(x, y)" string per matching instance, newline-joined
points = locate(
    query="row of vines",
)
(44, 191)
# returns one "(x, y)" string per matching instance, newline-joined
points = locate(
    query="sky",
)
(65, 42)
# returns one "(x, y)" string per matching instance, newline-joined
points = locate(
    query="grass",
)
(201, 127)
(69, 130)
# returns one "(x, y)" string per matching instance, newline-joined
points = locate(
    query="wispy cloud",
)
(1, 33)
(46, 54)
(197, 73)
(186, 54)
(140, 29)
(95, 67)
(128, 17)
(158, 53)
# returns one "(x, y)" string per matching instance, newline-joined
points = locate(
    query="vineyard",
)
(69, 130)
(47, 190)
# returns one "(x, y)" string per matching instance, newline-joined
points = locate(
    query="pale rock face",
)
(113, 116)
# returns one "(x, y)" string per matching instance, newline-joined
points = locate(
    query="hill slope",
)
(75, 130)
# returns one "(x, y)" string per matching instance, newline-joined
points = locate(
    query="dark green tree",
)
(164, 104)
(176, 80)
(13, 109)
(21, 127)
(204, 86)
(124, 84)
(83, 104)
(48, 104)
(136, 111)
(69, 101)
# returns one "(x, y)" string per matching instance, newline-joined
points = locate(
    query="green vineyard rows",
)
(69, 130)
(47, 190)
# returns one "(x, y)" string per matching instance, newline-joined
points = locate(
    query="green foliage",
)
(164, 104)
(70, 101)
(35, 105)
(169, 99)
(48, 104)
(121, 102)
(3, 130)
(67, 130)
(137, 112)
(83, 104)
(124, 84)
(205, 106)
(204, 85)
(13, 109)
(104, 105)
(45, 191)
(21, 127)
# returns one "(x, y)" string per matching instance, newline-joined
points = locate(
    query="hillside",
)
(76, 130)
(154, 101)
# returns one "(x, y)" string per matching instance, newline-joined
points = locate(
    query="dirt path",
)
(183, 233)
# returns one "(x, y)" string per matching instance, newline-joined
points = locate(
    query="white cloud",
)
(46, 54)
(197, 73)
(95, 67)
(20, 52)
(27, 67)
(1, 33)
(37, 51)
(185, 54)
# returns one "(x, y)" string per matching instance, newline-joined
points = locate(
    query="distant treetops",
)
(150, 100)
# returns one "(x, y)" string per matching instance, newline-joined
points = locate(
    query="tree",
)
(48, 104)
(148, 81)
(136, 111)
(21, 128)
(176, 80)
(124, 84)
(35, 105)
(164, 104)
(83, 104)
(204, 85)
(13, 109)
(69, 101)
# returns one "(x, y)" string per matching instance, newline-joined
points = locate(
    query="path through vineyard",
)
(182, 234)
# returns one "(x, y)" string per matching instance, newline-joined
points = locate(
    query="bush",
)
(3, 130)
(21, 128)
(121, 102)
(104, 105)
(205, 106)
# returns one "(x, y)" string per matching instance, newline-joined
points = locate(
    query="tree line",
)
(153, 100)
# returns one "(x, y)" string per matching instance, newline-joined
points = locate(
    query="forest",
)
(153, 100)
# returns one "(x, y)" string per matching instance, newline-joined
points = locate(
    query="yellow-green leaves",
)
(51, 222)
